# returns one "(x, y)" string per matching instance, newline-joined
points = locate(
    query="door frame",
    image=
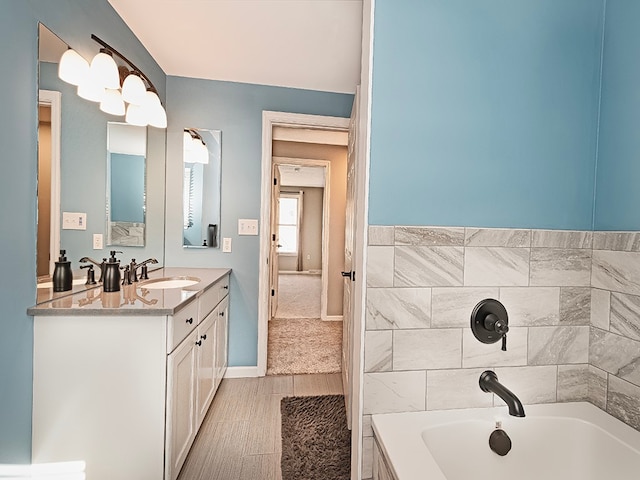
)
(53, 99)
(272, 119)
(326, 199)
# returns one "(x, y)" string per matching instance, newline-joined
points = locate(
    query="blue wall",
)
(127, 187)
(617, 191)
(18, 29)
(236, 110)
(485, 113)
(74, 21)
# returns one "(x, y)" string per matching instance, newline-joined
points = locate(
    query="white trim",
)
(303, 135)
(332, 318)
(242, 372)
(54, 100)
(269, 120)
(361, 235)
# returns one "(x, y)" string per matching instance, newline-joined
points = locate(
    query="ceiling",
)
(308, 44)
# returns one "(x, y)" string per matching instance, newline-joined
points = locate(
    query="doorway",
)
(283, 132)
(48, 234)
(307, 228)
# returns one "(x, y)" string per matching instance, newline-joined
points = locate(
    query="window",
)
(288, 223)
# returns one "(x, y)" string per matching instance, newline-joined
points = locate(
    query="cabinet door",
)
(222, 340)
(206, 347)
(181, 408)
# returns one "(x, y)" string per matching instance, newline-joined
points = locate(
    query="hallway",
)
(299, 341)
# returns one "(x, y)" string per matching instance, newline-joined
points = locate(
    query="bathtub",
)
(565, 441)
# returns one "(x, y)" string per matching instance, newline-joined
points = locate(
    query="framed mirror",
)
(201, 188)
(126, 184)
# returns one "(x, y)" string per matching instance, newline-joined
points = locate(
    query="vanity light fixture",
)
(195, 148)
(111, 85)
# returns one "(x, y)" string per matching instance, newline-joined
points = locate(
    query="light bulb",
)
(136, 116)
(155, 113)
(187, 143)
(159, 117)
(90, 90)
(112, 103)
(201, 152)
(133, 89)
(73, 68)
(104, 70)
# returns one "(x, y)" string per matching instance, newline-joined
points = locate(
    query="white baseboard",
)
(241, 372)
(333, 318)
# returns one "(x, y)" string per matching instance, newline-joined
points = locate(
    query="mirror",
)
(201, 188)
(84, 176)
(126, 161)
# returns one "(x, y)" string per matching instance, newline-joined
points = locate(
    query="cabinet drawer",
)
(223, 287)
(208, 301)
(211, 298)
(180, 324)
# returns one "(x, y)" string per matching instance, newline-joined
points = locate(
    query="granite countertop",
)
(131, 299)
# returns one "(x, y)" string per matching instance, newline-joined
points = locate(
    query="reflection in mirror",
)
(126, 155)
(49, 117)
(81, 178)
(201, 188)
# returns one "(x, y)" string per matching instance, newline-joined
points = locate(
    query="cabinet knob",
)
(199, 342)
(203, 337)
(222, 314)
(189, 320)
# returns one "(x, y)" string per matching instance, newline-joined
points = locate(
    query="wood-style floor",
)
(240, 436)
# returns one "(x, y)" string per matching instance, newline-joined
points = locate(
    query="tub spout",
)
(489, 383)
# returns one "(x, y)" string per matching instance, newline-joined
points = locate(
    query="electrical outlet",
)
(226, 245)
(97, 241)
(247, 226)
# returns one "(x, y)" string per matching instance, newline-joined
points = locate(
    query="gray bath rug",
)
(316, 443)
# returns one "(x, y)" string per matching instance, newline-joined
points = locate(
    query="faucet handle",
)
(490, 322)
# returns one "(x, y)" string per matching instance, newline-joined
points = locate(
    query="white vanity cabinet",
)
(126, 390)
(195, 369)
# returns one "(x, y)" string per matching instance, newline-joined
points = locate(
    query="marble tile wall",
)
(614, 339)
(573, 299)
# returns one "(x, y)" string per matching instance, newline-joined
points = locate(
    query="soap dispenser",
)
(111, 274)
(62, 275)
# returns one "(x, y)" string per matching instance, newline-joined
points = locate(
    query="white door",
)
(349, 272)
(181, 385)
(222, 340)
(206, 347)
(273, 257)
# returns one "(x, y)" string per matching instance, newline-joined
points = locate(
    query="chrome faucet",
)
(489, 383)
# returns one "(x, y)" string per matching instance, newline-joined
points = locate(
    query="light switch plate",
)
(74, 221)
(97, 241)
(247, 226)
(226, 245)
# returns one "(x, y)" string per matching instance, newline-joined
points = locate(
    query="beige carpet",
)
(299, 296)
(299, 346)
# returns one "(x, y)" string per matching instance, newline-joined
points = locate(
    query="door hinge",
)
(273, 237)
(273, 292)
(275, 181)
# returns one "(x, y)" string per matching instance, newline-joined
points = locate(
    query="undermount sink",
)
(169, 282)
